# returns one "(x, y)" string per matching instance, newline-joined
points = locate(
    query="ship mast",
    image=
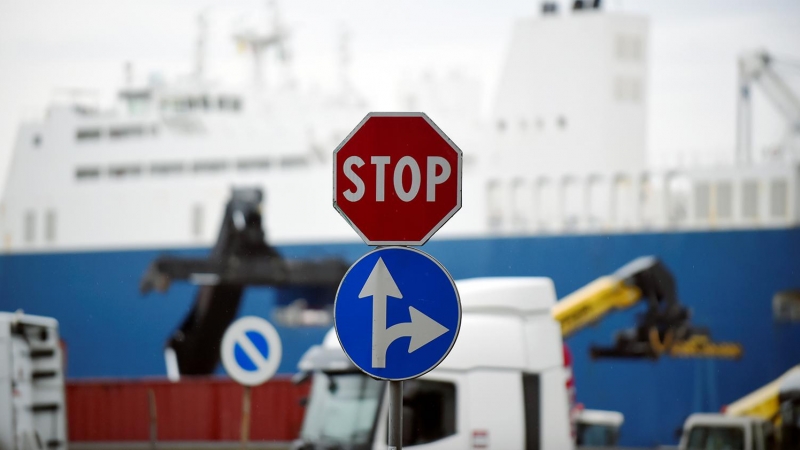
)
(259, 43)
(200, 45)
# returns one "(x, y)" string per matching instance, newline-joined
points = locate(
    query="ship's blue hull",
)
(727, 278)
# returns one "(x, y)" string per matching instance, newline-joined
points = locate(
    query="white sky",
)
(51, 44)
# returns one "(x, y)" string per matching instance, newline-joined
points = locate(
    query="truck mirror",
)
(301, 377)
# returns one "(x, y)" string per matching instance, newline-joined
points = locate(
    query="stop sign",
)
(396, 178)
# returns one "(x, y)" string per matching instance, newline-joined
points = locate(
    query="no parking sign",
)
(251, 351)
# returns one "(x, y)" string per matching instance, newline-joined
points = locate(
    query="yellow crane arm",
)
(762, 402)
(664, 328)
(592, 302)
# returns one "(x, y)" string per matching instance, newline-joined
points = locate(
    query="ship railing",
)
(708, 199)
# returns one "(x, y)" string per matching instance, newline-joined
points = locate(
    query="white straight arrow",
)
(422, 329)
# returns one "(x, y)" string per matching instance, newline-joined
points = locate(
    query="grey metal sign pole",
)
(395, 415)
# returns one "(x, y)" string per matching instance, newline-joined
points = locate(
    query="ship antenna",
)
(344, 58)
(200, 44)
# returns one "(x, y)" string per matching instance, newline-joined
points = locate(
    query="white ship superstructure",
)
(562, 152)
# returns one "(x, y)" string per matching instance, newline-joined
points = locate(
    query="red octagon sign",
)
(396, 178)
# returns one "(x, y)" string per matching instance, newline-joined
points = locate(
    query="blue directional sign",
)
(397, 313)
(251, 351)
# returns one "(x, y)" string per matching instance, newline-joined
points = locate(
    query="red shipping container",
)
(194, 409)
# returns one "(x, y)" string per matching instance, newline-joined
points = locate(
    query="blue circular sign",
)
(397, 313)
(251, 350)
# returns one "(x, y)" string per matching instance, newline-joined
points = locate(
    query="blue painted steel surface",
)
(424, 285)
(728, 278)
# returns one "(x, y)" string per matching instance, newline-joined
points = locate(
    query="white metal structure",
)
(32, 406)
(757, 67)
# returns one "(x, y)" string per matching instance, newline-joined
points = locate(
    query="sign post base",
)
(245, 429)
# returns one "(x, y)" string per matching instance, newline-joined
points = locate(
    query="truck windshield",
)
(342, 410)
(596, 435)
(716, 438)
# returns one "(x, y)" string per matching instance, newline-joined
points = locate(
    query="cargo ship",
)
(555, 183)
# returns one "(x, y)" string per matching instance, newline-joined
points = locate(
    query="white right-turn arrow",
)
(422, 329)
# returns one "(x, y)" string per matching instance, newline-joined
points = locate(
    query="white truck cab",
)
(503, 385)
(766, 419)
(720, 431)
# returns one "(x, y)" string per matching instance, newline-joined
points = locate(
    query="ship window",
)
(724, 200)
(166, 168)
(621, 47)
(29, 226)
(250, 164)
(619, 88)
(546, 203)
(750, 199)
(501, 125)
(627, 89)
(37, 140)
(124, 132)
(124, 171)
(777, 199)
(293, 161)
(429, 411)
(197, 220)
(50, 225)
(561, 122)
(648, 200)
(495, 204)
(678, 191)
(522, 203)
(571, 203)
(177, 104)
(702, 200)
(229, 103)
(624, 201)
(635, 90)
(599, 199)
(86, 173)
(210, 166)
(88, 134)
(628, 48)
